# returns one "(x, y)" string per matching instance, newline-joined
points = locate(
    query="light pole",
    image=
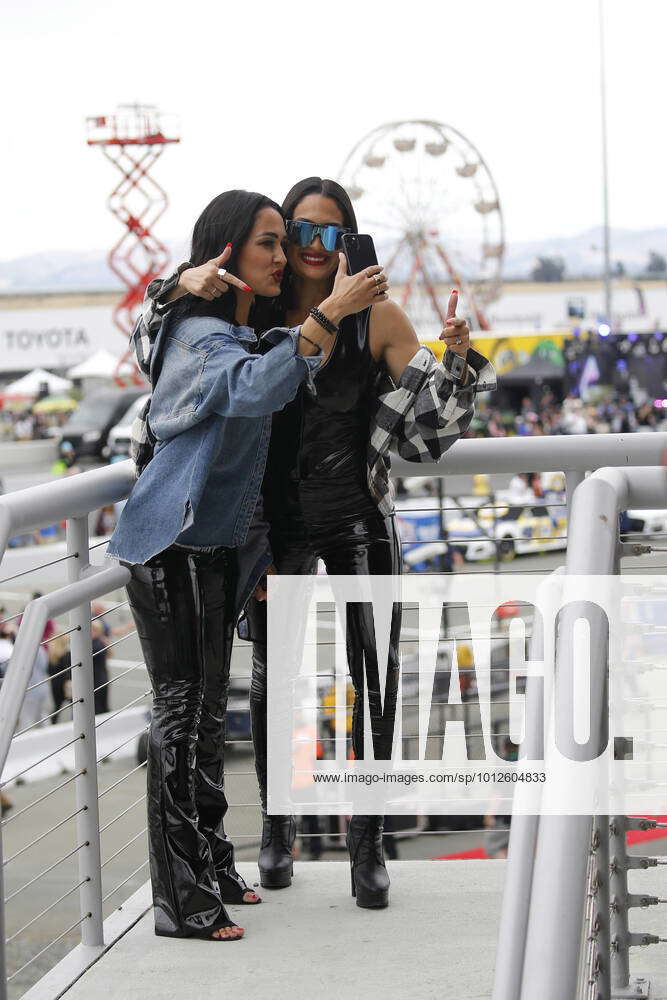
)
(605, 180)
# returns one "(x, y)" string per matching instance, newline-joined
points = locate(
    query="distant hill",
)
(583, 253)
(67, 271)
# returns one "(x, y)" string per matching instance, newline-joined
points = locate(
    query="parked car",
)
(238, 733)
(118, 441)
(517, 530)
(649, 522)
(88, 427)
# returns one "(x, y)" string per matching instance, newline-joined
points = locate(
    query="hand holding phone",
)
(359, 251)
(360, 281)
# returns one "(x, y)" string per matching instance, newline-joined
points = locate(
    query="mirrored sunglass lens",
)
(306, 233)
(295, 233)
(330, 237)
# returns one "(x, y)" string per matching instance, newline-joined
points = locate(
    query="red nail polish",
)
(455, 291)
(229, 245)
(247, 288)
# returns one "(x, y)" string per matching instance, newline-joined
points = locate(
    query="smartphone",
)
(359, 250)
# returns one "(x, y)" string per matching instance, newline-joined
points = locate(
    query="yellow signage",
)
(508, 352)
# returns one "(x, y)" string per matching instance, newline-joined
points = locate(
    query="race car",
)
(474, 527)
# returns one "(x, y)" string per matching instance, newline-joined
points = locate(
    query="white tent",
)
(30, 384)
(101, 364)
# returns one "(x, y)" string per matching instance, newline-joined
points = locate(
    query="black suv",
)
(88, 427)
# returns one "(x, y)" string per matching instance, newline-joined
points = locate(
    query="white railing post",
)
(600, 927)
(85, 749)
(3, 946)
(524, 827)
(558, 898)
(620, 946)
(572, 479)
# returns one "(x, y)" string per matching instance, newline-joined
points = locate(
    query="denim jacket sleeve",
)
(238, 384)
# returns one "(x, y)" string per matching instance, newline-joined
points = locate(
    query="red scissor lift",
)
(133, 139)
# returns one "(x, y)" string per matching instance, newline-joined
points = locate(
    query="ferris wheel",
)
(427, 197)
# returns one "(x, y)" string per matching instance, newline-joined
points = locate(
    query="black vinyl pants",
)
(183, 606)
(365, 544)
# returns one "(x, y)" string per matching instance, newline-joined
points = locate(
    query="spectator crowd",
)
(618, 415)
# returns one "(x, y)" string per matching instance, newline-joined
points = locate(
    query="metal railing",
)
(72, 500)
(564, 925)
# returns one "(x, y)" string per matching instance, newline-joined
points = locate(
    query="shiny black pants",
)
(183, 606)
(351, 544)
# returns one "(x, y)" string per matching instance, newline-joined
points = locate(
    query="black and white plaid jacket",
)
(420, 418)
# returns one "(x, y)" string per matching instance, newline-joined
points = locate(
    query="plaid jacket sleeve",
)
(431, 410)
(150, 318)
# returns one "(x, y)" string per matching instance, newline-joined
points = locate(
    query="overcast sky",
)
(267, 93)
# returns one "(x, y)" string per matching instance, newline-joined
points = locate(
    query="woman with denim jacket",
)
(326, 487)
(185, 532)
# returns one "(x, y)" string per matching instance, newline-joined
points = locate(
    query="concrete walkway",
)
(437, 939)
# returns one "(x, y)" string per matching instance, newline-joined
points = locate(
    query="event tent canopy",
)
(536, 370)
(101, 364)
(32, 383)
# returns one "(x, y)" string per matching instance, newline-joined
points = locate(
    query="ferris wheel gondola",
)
(428, 198)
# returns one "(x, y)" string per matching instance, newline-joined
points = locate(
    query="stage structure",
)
(427, 197)
(133, 139)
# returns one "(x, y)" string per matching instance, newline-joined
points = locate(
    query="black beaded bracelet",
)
(325, 323)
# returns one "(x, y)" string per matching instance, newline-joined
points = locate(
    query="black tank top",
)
(323, 437)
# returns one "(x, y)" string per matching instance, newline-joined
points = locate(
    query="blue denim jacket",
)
(211, 414)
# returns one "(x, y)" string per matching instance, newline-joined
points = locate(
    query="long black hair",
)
(327, 188)
(229, 218)
(311, 185)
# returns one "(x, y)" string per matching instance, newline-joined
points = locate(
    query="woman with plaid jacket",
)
(326, 488)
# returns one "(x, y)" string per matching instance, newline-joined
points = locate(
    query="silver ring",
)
(458, 340)
(377, 279)
(222, 272)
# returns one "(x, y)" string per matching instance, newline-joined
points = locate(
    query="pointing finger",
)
(452, 304)
(231, 279)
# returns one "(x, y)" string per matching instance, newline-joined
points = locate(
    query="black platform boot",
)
(275, 857)
(370, 881)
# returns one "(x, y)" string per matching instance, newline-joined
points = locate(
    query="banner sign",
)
(55, 338)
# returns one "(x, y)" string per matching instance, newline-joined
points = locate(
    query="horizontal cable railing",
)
(87, 744)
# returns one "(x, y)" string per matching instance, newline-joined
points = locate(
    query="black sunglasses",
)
(302, 232)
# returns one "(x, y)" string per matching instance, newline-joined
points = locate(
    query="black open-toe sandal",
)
(211, 934)
(233, 887)
(205, 933)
